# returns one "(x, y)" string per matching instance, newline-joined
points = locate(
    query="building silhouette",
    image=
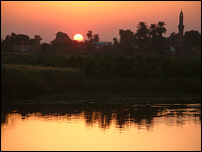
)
(181, 30)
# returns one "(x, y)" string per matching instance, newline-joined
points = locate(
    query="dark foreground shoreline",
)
(38, 79)
(177, 99)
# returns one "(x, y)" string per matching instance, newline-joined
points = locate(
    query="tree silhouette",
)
(96, 38)
(15, 39)
(161, 28)
(115, 41)
(157, 43)
(61, 39)
(127, 41)
(152, 30)
(173, 39)
(46, 48)
(37, 39)
(192, 38)
(141, 35)
(142, 30)
(89, 35)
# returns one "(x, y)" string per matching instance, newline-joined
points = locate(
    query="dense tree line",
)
(18, 39)
(147, 39)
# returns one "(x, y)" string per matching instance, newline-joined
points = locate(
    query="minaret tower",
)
(181, 29)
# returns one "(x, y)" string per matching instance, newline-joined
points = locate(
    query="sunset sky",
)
(46, 18)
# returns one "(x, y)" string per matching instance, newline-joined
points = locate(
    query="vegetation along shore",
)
(77, 77)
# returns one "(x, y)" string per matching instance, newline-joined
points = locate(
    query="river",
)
(100, 127)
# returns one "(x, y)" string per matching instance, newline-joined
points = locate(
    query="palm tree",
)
(89, 35)
(142, 34)
(96, 38)
(142, 30)
(161, 28)
(152, 30)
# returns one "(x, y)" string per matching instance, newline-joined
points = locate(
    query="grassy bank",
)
(93, 77)
(26, 82)
(138, 66)
(124, 97)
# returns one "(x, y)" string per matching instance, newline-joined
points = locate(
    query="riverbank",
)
(78, 78)
(109, 98)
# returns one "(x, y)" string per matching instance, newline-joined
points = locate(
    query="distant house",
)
(99, 45)
(22, 48)
(28, 45)
(172, 49)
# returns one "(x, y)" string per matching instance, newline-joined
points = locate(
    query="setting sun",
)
(101, 75)
(78, 37)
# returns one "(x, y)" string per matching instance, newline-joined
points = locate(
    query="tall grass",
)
(41, 72)
(28, 76)
(138, 66)
(25, 81)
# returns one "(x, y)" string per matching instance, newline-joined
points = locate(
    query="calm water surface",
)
(101, 127)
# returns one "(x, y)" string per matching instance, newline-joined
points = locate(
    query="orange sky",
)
(46, 18)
